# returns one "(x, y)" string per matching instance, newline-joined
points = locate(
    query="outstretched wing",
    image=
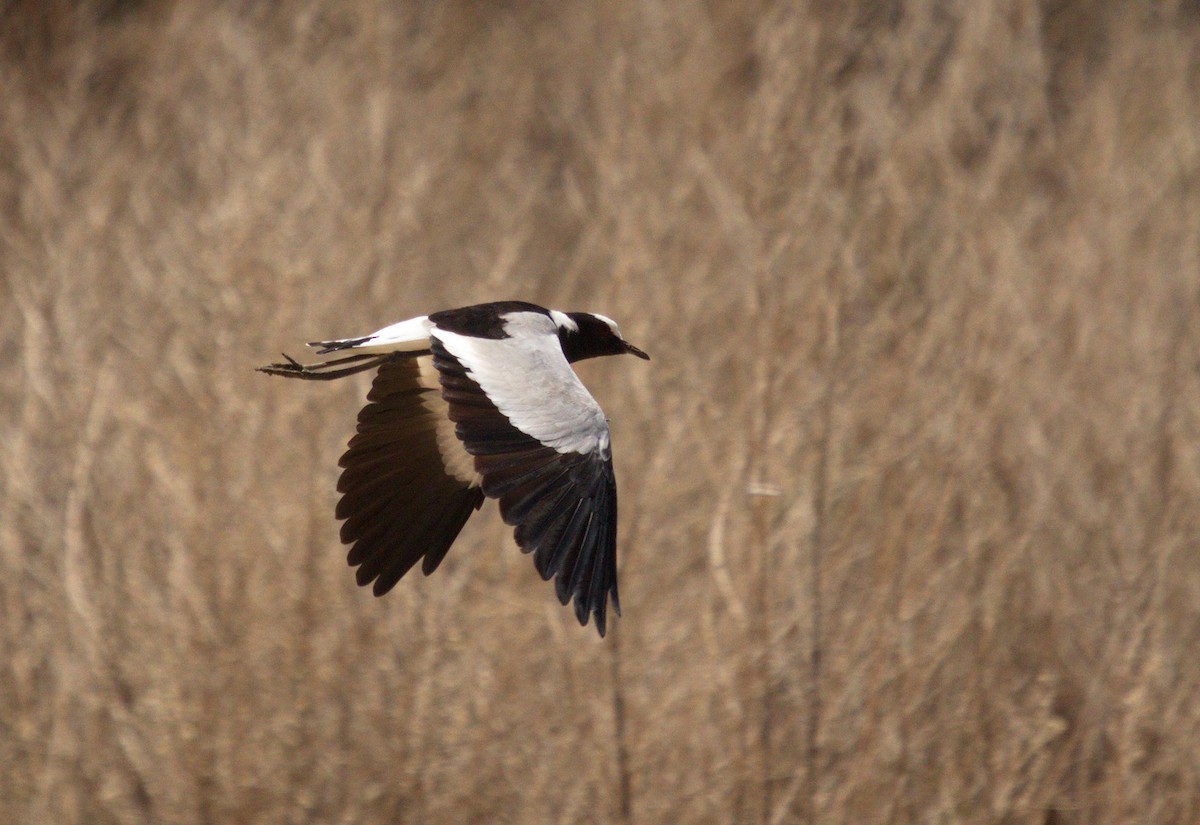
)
(541, 444)
(407, 485)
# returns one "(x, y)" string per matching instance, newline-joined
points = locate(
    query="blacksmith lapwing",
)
(474, 402)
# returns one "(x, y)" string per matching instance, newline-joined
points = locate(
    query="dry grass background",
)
(928, 270)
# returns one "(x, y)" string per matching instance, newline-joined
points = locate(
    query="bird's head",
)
(589, 335)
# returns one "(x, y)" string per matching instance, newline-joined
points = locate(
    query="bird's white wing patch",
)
(529, 380)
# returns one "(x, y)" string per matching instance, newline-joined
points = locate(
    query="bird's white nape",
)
(563, 321)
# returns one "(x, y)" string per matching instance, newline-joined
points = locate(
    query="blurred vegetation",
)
(910, 492)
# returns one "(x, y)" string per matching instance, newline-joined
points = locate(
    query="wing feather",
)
(403, 497)
(561, 501)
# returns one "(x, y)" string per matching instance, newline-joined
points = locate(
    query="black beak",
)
(632, 350)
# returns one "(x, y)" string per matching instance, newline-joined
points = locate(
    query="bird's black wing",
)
(407, 485)
(546, 457)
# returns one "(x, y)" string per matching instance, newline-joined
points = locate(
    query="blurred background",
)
(910, 493)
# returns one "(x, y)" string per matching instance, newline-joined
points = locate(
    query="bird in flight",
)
(474, 402)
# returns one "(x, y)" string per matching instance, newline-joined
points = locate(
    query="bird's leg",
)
(322, 371)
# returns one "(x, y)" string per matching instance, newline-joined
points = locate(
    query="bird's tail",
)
(325, 370)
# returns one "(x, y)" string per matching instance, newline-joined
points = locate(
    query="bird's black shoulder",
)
(482, 320)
